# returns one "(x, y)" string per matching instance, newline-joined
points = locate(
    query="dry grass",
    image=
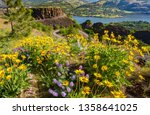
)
(145, 71)
(4, 26)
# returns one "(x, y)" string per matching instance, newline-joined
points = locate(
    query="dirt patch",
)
(59, 21)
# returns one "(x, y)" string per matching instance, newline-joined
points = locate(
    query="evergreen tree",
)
(19, 17)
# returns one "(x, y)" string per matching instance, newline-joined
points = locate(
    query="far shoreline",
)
(113, 17)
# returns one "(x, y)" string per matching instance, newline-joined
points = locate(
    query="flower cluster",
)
(63, 82)
(13, 75)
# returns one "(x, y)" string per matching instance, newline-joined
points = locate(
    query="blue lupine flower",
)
(59, 74)
(59, 84)
(73, 77)
(80, 67)
(71, 84)
(67, 63)
(68, 89)
(55, 81)
(87, 75)
(63, 94)
(50, 91)
(55, 94)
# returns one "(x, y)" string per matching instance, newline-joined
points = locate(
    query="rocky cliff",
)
(52, 16)
(46, 13)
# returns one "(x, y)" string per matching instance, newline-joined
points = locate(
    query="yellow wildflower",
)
(104, 68)
(95, 66)
(131, 53)
(2, 83)
(118, 94)
(141, 77)
(8, 77)
(22, 67)
(78, 72)
(98, 82)
(15, 65)
(135, 42)
(65, 83)
(6, 64)
(86, 90)
(112, 35)
(97, 75)
(2, 73)
(23, 57)
(130, 37)
(141, 53)
(108, 84)
(39, 60)
(130, 57)
(84, 79)
(9, 69)
(128, 74)
(117, 73)
(43, 53)
(132, 69)
(96, 57)
(136, 60)
(114, 40)
(106, 31)
(125, 61)
(144, 49)
(17, 61)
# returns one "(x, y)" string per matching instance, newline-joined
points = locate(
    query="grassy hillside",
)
(98, 9)
(66, 5)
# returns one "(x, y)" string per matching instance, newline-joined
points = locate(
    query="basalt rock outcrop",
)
(46, 13)
(143, 36)
(52, 16)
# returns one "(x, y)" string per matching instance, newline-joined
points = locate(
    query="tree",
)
(19, 17)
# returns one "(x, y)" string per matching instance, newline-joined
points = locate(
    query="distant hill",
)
(66, 5)
(101, 8)
(113, 8)
(142, 6)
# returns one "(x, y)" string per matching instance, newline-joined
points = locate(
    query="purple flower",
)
(68, 89)
(55, 94)
(67, 63)
(73, 77)
(63, 94)
(87, 75)
(59, 84)
(18, 49)
(59, 74)
(57, 64)
(80, 67)
(15, 50)
(83, 74)
(63, 87)
(60, 65)
(71, 84)
(55, 81)
(50, 91)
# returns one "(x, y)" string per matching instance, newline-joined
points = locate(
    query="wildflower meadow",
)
(71, 67)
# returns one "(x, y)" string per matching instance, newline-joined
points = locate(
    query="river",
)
(131, 17)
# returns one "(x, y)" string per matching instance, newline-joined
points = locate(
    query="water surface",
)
(132, 17)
